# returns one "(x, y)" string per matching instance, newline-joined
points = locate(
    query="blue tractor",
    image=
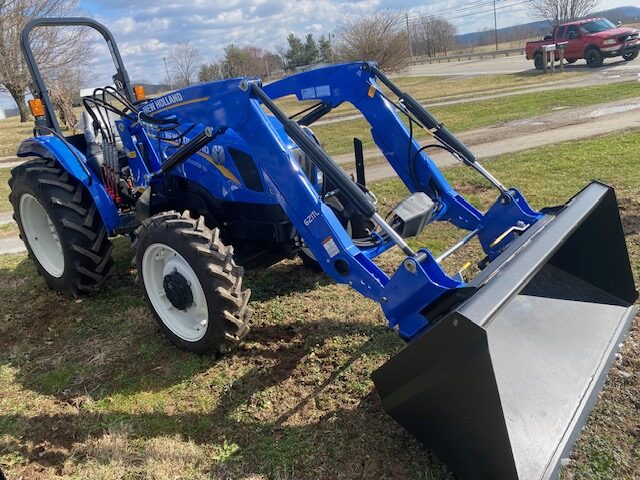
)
(499, 371)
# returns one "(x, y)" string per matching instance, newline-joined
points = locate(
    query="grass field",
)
(12, 132)
(337, 138)
(426, 89)
(92, 390)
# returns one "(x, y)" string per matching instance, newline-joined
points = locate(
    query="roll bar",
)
(39, 89)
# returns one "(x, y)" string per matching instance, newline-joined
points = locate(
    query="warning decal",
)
(330, 246)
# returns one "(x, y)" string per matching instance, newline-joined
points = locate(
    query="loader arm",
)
(420, 283)
(359, 85)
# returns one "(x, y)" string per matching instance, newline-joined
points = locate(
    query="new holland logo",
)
(217, 152)
(163, 102)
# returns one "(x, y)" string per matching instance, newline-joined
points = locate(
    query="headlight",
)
(610, 41)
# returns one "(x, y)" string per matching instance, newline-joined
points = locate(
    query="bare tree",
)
(432, 36)
(484, 37)
(184, 60)
(561, 11)
(55, 49)
(380, 37)
(64, 92)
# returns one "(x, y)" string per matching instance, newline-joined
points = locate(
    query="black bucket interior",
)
(501, 387)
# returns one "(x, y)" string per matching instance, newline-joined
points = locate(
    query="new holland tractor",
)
(499, 371)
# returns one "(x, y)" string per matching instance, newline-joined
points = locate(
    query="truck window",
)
(562, 32)
(572, 28)
(598, 25)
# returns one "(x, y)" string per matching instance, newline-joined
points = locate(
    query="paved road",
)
(515, 64)
(6, 218)
(11, 245)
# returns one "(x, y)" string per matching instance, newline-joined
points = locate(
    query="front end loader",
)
(500, 370)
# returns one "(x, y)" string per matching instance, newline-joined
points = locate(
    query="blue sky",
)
(147, 29)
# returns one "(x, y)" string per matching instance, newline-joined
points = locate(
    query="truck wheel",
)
(631, 55)
(538, 61)
(61, 227)
(191, 283)
(594, 58)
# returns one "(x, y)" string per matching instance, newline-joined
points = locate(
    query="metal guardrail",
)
(467, 56)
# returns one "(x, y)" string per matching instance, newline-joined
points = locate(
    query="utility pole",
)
(266, 64)
(167, 72)
(495, 23)
(332, 56)
(406, 17)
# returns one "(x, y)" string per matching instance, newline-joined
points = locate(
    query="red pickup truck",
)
(593, 39)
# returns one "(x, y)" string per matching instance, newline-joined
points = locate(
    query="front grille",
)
(627, 37)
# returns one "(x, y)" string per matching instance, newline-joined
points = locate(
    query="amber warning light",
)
(138, 90)
(37, 108)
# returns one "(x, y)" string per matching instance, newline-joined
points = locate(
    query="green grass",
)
(91, 389)
(5, 173)
(337, 138)
(12, 132)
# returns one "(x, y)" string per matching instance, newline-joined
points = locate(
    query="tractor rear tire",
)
(61, 227)
(192, 283)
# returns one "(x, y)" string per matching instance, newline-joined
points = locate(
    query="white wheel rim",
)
(158, 261)
(41, 235)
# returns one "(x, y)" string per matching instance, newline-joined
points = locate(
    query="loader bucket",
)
(501, 386)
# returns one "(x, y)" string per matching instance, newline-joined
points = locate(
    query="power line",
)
(456, 10)
(471, 14)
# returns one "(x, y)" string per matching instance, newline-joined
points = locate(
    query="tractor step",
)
(502, 386)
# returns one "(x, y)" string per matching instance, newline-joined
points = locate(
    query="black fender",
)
(73, 162)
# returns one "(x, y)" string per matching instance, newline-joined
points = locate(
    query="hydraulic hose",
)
(188, 149)
(437, 129)
(319, 157)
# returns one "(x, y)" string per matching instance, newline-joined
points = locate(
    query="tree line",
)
(382, 37)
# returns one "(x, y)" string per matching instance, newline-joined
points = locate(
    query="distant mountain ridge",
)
(533, 29)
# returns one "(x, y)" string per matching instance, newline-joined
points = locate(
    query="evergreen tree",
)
(324, 46)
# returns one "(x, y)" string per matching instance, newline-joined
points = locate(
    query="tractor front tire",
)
(192, 283)
(61, 227)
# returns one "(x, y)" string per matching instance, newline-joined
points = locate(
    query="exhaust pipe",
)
(503, 384)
